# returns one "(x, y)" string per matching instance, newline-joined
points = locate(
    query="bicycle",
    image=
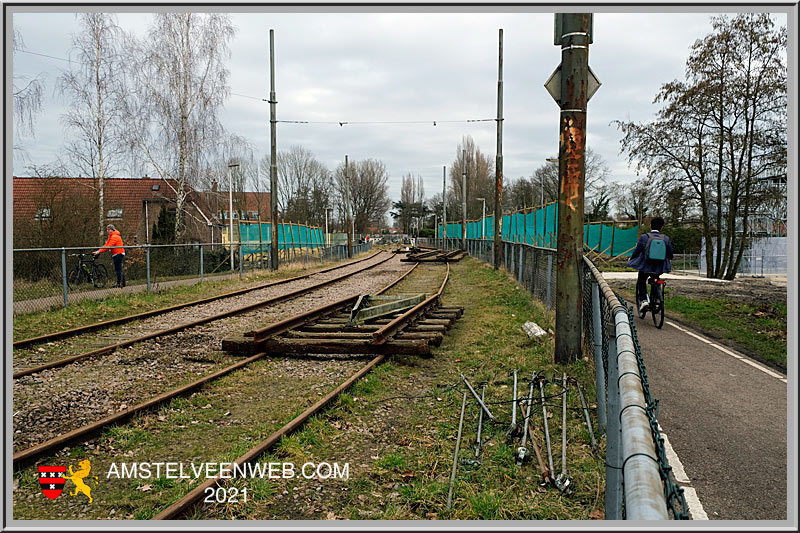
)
(656, 301)
(87, 271)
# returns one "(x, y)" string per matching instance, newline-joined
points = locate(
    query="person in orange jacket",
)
(114, 243)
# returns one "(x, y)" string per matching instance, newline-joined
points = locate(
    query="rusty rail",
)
(110, 349)
(122, 320)
(40, 449)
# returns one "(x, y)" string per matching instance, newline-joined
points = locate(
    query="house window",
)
(115, 212)
(156, 186)
(43, 213)
(254, 215)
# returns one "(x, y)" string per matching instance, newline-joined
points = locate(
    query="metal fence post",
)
(241, 259)
(549, 278)
(147, 255)
(64, 273)
(521, 255)
(600, 381)
(201, 263)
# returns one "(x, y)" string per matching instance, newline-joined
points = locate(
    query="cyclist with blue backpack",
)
(651, 256)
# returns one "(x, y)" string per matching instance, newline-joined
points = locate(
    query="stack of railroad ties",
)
(431, 255)
(524, 431)
(359, 325)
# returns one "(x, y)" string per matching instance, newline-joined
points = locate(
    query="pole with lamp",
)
(483, 220)
(230, 209)
(327, 235)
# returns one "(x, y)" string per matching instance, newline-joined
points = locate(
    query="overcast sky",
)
(404, 65)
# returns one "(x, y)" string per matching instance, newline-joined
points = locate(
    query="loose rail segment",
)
(328, 330)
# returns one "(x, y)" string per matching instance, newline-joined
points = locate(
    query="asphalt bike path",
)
(724, 415)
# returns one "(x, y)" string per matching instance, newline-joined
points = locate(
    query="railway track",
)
(132, 338)
(384, 335)
(22, 343)
(48, 404)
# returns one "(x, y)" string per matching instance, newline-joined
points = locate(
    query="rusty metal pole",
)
(464, 200)
(273, 163)
(498, 180)
(572, 145)
(348, 200)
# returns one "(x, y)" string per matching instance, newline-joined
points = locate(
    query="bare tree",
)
(721, 131)
(365, 190)
(480, 180)
(27, 98)
(95, 89)
(179, 83)
(302, 184)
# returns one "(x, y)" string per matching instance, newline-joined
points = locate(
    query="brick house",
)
(53, 212)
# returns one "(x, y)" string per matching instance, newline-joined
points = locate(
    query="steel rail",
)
(380, 336)
(197, 493)
(38, 450)
(111, 348)
(282, 326)
(100, 325)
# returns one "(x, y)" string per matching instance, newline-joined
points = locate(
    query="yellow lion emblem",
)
(77, 477)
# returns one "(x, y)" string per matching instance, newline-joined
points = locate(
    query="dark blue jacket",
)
(639, 259)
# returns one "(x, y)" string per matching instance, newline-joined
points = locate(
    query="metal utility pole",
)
(230, 212)
(273, 159)
(498, 180)
(574, 40)
(464, 200)
(348, 201)
(444, 205)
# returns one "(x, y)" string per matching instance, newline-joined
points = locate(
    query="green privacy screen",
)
(289, 236)
(540, 227)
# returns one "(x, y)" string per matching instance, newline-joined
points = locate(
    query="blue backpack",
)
(656, 247)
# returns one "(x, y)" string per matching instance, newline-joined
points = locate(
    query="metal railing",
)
(639, 484)
(41, 275)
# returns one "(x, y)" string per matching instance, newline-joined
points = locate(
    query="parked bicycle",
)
(656, 300)
(88, 270)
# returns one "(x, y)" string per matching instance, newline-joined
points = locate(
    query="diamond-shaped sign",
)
(553, 85)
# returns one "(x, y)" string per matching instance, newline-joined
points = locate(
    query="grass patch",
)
(396, 427)
(759, 329)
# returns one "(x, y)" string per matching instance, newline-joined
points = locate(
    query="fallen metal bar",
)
(475, 395)
(455, 455)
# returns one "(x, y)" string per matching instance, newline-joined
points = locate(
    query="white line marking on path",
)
(689, 493)
(735, 355)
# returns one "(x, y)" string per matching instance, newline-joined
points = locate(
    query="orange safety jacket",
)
(114, 243)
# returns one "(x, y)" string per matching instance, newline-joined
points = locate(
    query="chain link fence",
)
(45, 278)
(639, 480)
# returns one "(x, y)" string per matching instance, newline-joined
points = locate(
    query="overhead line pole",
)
(464, 200)
(348, 203)
(498, 189)
(444, 205)
(574, 41)
(273, 163)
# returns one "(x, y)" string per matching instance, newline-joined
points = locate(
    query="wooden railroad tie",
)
(341, 333)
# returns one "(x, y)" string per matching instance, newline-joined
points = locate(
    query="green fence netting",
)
(539, 227)
(258, 237)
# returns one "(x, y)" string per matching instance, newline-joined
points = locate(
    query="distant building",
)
(56, 211)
